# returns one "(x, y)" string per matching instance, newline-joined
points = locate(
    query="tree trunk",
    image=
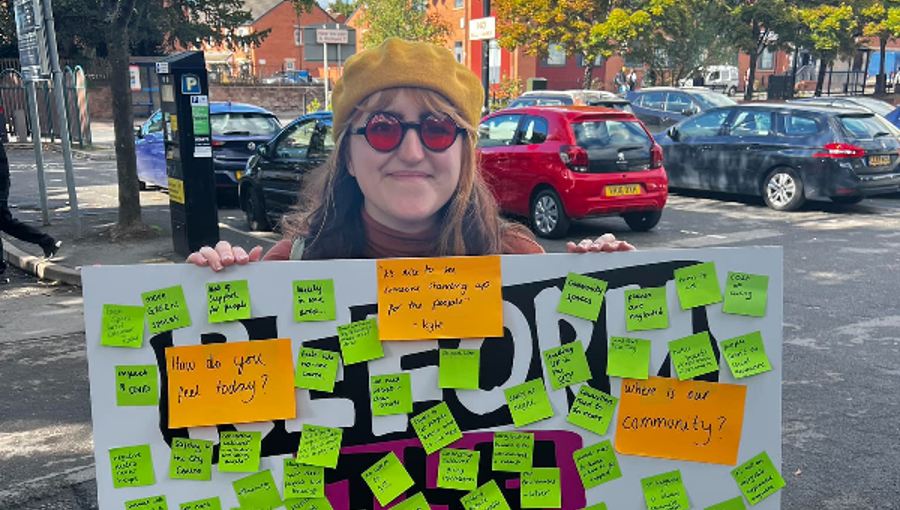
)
(880, 81)
(123, 117)
(820, 80)
(751, 77)
(588, 72)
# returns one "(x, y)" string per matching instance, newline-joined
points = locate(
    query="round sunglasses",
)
(385, 131)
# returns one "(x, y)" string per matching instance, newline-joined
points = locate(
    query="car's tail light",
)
(656, 157)
(575, 158)
(840, 150)
(218, 144)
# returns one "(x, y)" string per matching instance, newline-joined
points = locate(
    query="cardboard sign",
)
(686, 420)
(454, 297)
(166, 309)
(233, 382)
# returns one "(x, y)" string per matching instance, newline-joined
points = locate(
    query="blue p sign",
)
(190, 84)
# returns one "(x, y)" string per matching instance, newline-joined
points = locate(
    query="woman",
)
(403, 179)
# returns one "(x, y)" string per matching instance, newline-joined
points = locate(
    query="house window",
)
(597, 61)
(766, 60)
(458, 4)
(458, 51)
(556, 56)
(494, 61)
(298, 37)
(289, 64)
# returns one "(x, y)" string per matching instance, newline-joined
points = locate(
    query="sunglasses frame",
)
(404, 127)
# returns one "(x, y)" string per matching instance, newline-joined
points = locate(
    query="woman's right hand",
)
(223, 255)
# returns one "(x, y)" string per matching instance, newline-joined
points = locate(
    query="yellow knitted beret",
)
(399, 63)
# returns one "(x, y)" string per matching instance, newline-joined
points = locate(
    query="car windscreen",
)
(604, 133)
(243, 124)
(616, 105)
(712, 100)
(863, 127)
(880, 107)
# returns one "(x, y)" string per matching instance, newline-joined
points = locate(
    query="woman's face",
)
(405, 188)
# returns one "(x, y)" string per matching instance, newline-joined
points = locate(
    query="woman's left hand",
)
(604, 243)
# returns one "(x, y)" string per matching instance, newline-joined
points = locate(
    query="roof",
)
(794, 107)
(259, 8)
(672, 89)
(228, 106)
(571, 111)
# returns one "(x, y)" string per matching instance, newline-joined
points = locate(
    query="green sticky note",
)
(151, 503)
(417, 502)
(360, 342)
(314, 301)
(592, 409)
(257, 491)
(137, 385)
(582, 297)
(697, 285)
(628, 357)
(228, 301)
(200, 116)
(746, 294)
(320, 446)
(541, 488)
(693, 356)
(513, 451)
(391, 394)
(646, 309)
(308, 504)
(665, 492)
(487, 497)
(316, 369)
(732, 504)
(597, 464)
(567, 365)
(436, 428)
(166, 309)
(459, 368)
(239, 452)
(598, 506)
(388, 479)
(758, 478)
(302, 481)
(202, 504)
(528, 402)
(122, 326)
(191, 459)
(458, 469)
(746, 355)
(132, 466)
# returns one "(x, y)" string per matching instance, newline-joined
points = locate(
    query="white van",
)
(722, 78)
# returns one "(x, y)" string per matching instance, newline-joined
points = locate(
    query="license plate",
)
(623, 190)
(239, 174)
(879, 160)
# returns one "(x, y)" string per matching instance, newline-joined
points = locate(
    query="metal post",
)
(325, 45)
(485, 61)
(31, 100)
(50, 30)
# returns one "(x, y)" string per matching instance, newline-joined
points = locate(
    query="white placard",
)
(134, 73)
(331, 36)
(482, 28)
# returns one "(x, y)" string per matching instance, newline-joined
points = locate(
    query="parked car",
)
(288, 78)
(722, 78)
(787, 153)
(883, 108)
(554, 164)
(236, 130)
(269, 187)
(571, 97)
(661, 107)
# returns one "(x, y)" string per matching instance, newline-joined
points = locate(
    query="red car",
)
(558, 163)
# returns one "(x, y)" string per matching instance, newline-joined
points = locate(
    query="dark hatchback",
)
(661, 107)
(786, 153)
(275, 172)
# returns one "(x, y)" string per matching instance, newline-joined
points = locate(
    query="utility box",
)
(536, 84)
(184, 91)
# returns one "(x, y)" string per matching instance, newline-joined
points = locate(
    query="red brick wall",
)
(279, 45)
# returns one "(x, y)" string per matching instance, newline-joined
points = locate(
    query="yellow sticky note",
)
(684, 420)
(452, 297)
(233, 382)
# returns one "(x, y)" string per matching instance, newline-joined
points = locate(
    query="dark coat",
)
(4, 176)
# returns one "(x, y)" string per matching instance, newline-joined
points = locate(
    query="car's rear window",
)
(862, 127)
(605, 133)
(243, 124)
(712, 99)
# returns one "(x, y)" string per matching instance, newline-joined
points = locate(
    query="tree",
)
(829, 31)
(881, 19)
(406, 19)
(344, 7)
(7, 30)
(757, 25)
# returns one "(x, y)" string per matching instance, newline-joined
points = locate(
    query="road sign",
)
(331, 36)
(190, 84)
(135, 78)
(482, 28)
(32, 43)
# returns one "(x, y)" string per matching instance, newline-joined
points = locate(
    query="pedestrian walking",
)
(620, 80)
(632, 80)
(14, 227)
(403, 179)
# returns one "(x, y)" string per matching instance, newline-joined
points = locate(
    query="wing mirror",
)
(137, 132)
(263, 150)
(673, 133)
(687, 112)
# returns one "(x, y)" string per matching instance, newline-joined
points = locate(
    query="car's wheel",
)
(142, 185)
(255, 211)
(548, 217)
(783, 189)
(732, 91)
(642, 221)
(847, 200)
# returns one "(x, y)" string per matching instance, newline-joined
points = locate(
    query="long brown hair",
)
(329, 211)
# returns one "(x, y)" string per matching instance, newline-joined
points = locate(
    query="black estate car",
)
(661, 107)
(785, 152)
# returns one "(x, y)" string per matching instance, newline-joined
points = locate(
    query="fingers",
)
(225, 252)
(256, 254)
(197, 259)
(607, 243)
(212, 258)
(223, 255)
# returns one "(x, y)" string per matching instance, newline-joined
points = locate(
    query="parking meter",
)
(184, 91)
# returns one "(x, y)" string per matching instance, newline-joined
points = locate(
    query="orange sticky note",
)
(451, 297)
(234, 382)
(685, 420)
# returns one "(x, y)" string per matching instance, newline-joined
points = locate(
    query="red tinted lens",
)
(438, 133)
(384, 132)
